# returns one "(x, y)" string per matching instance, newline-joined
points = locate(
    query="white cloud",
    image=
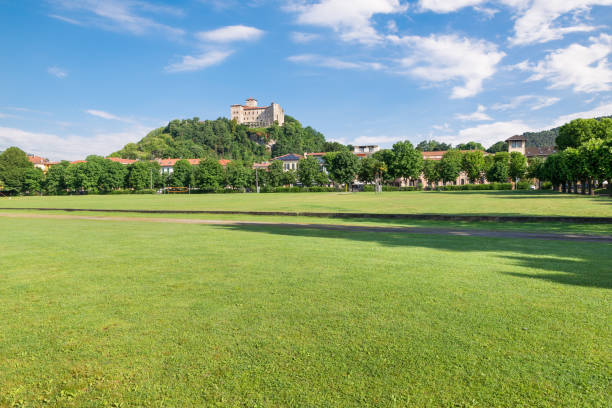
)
(57, 72)
(602, 110)
(231, 34)
(489, 133)
(303, 38)
(533, 102)
(447, 6)
(118, 15)
(205, 60)
(443, 58)
(331, 62)
(479, 115)
(585, 69)
(71, 147)
(352, 19)
(108, 116)
(536, 19)
(445, 127)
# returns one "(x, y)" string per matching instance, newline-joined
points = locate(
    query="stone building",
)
(257, 116)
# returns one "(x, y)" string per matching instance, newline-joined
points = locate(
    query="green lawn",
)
(139, 314)
(489, 202)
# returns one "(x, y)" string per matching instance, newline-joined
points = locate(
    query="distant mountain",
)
(223, 138)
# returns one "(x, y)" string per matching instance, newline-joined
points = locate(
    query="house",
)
(125, 162)
(365, 151)
(261, 166)
(290, 161)
(167, 165)
(41, 163)
(517, 144)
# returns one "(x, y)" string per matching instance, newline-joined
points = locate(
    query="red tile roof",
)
(224, 162)
(36, 160)
(437, 155)
(193, 162)
(78, 161)
(122, 161)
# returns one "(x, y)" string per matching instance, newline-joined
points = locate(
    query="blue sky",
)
(83, 77)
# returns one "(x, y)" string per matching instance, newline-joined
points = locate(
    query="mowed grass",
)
(137, 314)
(488, 202)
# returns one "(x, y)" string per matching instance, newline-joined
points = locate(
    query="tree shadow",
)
(570, 263)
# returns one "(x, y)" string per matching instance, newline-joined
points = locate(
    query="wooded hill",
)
(545, 137)
(222, 138)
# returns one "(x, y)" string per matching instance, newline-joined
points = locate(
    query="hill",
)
(223, 138)
(545, 137)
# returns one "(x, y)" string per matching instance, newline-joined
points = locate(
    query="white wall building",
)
(257, 116)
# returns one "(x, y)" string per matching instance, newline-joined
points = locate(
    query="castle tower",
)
(251, 103)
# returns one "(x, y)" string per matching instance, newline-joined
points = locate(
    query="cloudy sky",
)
(88, 76)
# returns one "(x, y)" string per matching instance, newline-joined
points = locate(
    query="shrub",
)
(475, 187)
(523, 185)
(547, 185)
(145, 191)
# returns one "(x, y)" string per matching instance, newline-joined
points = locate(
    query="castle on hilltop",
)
(257, 116)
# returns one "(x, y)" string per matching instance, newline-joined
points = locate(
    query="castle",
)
(257, 116)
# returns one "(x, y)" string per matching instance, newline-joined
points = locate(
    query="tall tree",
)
(182, 174)
(342, 167)
(517, 166)
(237, 175)
(498, 147)
(473, 164)
(274, 175)
(500, 170)
(450, 166)
(54, 181)
(14, 164)
(470, 146)
(209, 175)
(407, 161)
(307, 171)
(431, 172)
(369, 170)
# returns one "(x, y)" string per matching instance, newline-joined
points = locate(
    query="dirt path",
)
(332, 227)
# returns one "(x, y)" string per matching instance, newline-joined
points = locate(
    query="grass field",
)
(488, 202)
(131, 313)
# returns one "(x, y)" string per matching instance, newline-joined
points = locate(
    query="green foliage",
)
(517, 165)
(308, 170)
(370, 168)
(473, 164)
(407, 161)
(274, 175)
(182, 174)
(237, 176)
(342, 167)
(431, 171)
(385, 156)
(290, 177)
(14, 168)
(140, 173)
(432, 146)
(498, 147)
(500, 169)
(470, 146)
(450, 166)
(334, 147)
(209, 175)
(476, 187)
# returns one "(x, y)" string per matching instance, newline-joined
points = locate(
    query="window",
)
(517, 144)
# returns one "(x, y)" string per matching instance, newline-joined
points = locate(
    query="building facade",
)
(252, 115)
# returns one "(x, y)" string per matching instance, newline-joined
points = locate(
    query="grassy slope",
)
(183, 315)
(501, 202)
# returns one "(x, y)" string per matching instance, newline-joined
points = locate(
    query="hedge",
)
(466, 187)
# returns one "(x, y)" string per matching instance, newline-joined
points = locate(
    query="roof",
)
(288, 157)
(516, 137)
(315, 154)
(540, 151)
(78, 161)
(251, 99)
(361, 155)
(193, 162)
(36, 160)
(120, 160)
(224, 162)
(263, 165)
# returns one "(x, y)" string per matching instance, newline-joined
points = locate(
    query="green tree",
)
(473, 164)
(407, 161)
(517, 166)
(500, 169)
(431, 172)
(182, 174)
(236, 175)
(432, 146)
(537, 170)
(32, 181)
(370, 169)
(450, 166)
(385, 156)
(54, 181)
(14, 164)
(470, 146)
(139, 175)
(498, 147)
(307, 171)
(274, 175)
(113, 176)
(290, 177)
(342, 167)
(579, 131)
(209, 175)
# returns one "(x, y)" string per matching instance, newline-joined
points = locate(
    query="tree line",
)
(584, 159)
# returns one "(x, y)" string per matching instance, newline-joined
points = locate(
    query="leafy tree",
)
(370, 169)
(517, 166)
(32, 181)
(470, 146)
(55, 182)
(407, 162)
(500, 170)
(209, 175)
(579, 131)
(307, 171)
(182, 174)
(342, 167)
(450, 166)
(334, 147)
(14, 164)
(274, 176)
(498, 147)
(594, 161)
(385, 156)
(290, 177)
(431, 171)
(432, 146)
(473, 164)
(113, 176)
(537, 169)
(322, 178)
(236, 175)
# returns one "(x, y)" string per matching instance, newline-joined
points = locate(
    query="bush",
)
(547, 185)
(523, 185)
(145, 191)
(475, 187)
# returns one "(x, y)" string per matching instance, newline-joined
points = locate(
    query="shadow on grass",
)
(569, 263)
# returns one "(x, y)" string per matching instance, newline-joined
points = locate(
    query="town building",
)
(125, 162)
(290, 161)
(252, 115)
(41, 163)
(519, 144)
(365, 150)
(167, 165)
